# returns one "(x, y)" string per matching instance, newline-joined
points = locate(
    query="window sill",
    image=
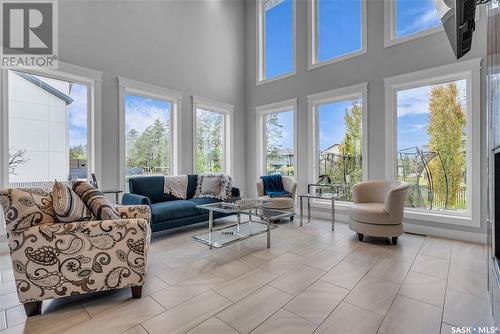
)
(435, 217)
(336, 59)
(283, 76)
(442, 218)
(395, 41)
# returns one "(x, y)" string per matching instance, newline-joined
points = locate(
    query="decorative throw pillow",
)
(68, 207)
(28, 207)
(95, 200)
(214, 185)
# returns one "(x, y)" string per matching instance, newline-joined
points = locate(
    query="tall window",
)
(276, 138)
(48, 130)
(435, 132)
(147, 136)
(212, 136)
(209, 141)
(275, 38)
(279, 143)
(148, 123)
(340, 37)
(432, 145)
(407, 19)
(339, 138)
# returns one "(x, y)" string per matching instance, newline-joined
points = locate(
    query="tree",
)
(150, 149)
(78, 152)
(130, 141)
(209, 129)
(351, 146)
(346, 167)
(446, 129)
(16, 159)
(273, 133)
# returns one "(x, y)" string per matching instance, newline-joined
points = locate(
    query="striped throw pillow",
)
(95, 200)
(68, 207)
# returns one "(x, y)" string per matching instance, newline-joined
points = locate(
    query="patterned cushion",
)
(214, 186)
(95, 200)
(24, 208)
(68, 207)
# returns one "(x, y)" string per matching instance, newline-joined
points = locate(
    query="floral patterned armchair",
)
(53, 260)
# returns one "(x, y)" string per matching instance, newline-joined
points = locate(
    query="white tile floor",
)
(311, 280)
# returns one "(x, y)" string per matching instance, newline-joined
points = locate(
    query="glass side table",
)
(322, 192)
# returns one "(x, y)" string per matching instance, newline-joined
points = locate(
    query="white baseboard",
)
(342, 216)
(446, 233)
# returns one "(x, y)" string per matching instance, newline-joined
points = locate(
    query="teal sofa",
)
(167, 211)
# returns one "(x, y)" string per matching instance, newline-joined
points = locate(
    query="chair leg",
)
(394, 240)
(33, 308)
(136, 291)
(360, 236)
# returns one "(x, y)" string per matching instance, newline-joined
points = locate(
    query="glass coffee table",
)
(239, 231)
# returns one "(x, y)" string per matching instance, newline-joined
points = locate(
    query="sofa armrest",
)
(235, 192)
(134, 211)
(63, 259)
(134, 199)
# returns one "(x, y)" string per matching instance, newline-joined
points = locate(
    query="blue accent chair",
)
(167, 211)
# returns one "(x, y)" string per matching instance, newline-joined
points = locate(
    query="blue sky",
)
(77, 115)
(140, 112)
(339, 28)
(279, 39)
(413, 114)
(413, 16)
(331, 122)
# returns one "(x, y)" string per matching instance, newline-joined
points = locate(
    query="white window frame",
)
(332, 96)
(313, 42)
(261, 45)
(469, 70)
(227, 111)
(390, 37)
(273, 108)
(92, 79)
(135, 87)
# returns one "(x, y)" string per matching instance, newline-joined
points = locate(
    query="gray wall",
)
(372, 67)
(193, 46)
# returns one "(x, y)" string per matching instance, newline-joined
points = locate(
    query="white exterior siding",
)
(38, 123)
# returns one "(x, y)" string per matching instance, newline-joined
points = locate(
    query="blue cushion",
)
(171, 210)
(151, 187)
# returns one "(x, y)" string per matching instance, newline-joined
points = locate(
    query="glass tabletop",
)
(272, 214)
(322, 196)
(221, 207)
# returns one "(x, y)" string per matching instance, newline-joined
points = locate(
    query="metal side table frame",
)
(329, 195)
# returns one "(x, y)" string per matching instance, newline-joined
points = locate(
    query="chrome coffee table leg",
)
(333, 214)
(268, 233)
(301, 210)
(210, 226)
(308, 210)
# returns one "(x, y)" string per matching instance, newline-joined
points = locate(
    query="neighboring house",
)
(334, 149)
(285, 159)
(38, 124)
